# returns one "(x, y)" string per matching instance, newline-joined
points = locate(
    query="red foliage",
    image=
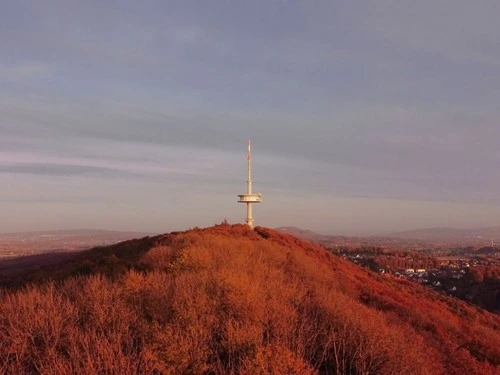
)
(227, 299)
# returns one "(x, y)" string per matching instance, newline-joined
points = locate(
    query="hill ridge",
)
(227, 299)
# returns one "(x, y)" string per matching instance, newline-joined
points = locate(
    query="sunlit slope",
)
(228, 300)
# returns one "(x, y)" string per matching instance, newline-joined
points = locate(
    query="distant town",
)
(463, 267)
(469, 274)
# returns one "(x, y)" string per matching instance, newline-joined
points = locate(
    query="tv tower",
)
(249, 198)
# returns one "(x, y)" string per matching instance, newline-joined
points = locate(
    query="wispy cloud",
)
(23, 71)
(125, 158)
(462, 31)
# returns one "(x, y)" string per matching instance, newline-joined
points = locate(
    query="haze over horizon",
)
(365, 117)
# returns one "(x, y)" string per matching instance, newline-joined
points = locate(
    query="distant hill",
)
(451, 234)
(230, 300)
(77, 233)
(319, 238)
(409, 240)
(31, 243)
(338, 241)
(301, 233)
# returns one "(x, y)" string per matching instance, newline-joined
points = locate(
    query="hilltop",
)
(229, 300)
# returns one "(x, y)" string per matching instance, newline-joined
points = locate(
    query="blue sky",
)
(365, 116)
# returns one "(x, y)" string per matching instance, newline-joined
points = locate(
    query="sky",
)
(366, 117)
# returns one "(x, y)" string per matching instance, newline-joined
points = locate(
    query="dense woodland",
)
(229, 300)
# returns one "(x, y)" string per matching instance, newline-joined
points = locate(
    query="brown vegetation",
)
(228, 300)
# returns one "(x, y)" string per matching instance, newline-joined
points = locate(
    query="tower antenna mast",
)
(249, 198)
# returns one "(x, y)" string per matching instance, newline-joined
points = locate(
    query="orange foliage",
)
(228, 300)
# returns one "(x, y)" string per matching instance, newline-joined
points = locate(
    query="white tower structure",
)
(249, 198)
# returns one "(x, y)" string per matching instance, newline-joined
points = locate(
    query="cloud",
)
(462, 31)
(23, 71)
(376, 150)
(125, 158)
(53, 169)
(387, 99)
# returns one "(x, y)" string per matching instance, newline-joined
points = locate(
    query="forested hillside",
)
(229, 300)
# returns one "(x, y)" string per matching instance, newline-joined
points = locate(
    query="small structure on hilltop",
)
(249, 198)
